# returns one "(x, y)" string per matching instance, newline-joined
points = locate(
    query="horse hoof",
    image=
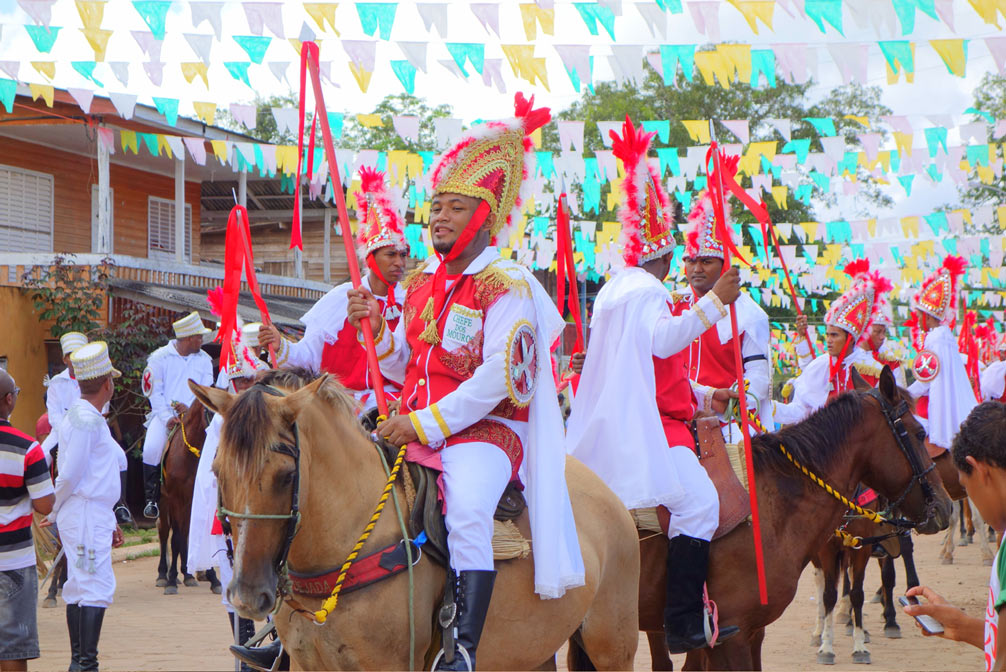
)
(190, 582)
(216, 589)
(170, 590)
(861, 657)
(815, 640)
(825, 658)
(49, 603)
(963, 541)
(161, 582)
(892, 632)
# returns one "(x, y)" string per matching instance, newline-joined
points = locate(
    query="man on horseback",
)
(329, 343)
(848, 322)
(473, 349)
(879, 344)
(711, 356)
(165, 383)
(942, 391)
(630, 417)
(62, 389)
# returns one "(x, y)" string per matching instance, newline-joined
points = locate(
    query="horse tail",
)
(577, 658)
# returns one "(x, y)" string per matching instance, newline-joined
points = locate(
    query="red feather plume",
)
(857, 267)
(632, 144)
(533, 118)
(215, 297)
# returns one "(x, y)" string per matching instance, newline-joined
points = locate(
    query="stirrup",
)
(457, 649)
(711, 621)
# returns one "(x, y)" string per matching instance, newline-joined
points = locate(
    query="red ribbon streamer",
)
(295, 237)
(237, 258)
(566, 272)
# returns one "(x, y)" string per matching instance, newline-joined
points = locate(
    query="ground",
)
(146, 630)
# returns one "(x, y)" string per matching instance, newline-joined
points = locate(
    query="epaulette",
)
(868, 369)
(498, 278)
(413, 276)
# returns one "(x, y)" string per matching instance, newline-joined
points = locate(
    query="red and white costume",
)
(888, 352)
(825, 377)
(471, 369)
(630, 418)
(943, 394)
(710, 357)
(330, 344)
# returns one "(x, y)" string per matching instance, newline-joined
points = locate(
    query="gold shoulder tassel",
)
(427, 314)
(429, 334)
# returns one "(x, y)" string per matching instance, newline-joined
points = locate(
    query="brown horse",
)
(340, 479)
(848, 441)
(179, 472)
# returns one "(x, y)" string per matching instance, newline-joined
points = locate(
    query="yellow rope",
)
(849, 540)
(192, 449)
(330, 603)
(866, 513)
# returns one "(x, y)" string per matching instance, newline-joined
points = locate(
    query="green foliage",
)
(266, 129)
(990, 97)
(67, 293)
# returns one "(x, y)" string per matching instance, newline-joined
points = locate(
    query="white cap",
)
(245, 361)
(190, 325)
(91, 361)
(72, 340)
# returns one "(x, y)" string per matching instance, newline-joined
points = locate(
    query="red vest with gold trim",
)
(347, 360)
(675, 399)
(434, 371)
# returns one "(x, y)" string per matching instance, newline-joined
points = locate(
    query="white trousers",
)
(696, 513)
(84, 530)
(155, 442)
(225, 574)
(475, 476)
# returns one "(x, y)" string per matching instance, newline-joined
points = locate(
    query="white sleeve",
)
(803, 354)
(788, 414)
(305, 353)
(74, 456)
(54, 403)
(159, 403)
(674, 333)
(393, 352)
(756, 371)
(476, 397)
(205, 371)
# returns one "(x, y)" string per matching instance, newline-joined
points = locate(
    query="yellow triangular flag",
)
(44, 90)
(539, 71)
(322, 12)
(713, 65)
(904, 143)
(286, 159)
(698, 129)
(98, 39)
(205, 111)
(129, 141)
(198, 68)
(536, 137)
(780, 194)
(752, 10)
(546, 17)
(861, 120)
(738, 57)
(220, 150)
(953, 54)
(47, 68)
(370, 120)
(527, 17)
(809, 229)
(987, 9)
(91, 12)
(296, 44)
(162, 143)
(361, 76)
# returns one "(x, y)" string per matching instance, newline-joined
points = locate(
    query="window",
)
(94, 218)
(161, 229)
(26, 207)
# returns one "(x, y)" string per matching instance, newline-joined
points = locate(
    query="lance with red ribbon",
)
(565, 273)
(716, 186)
(310, 67)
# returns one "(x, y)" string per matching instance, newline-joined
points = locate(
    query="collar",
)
(477, 265)
(4, 423)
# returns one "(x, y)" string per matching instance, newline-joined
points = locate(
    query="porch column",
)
(180, 210)
(102, 235)
(243, 189)
(328, 245)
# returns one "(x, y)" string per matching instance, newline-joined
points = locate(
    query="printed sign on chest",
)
(462, 325)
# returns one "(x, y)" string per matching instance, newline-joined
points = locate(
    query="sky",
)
(934, 92)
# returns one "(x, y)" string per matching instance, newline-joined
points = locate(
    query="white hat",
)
(91, 361)
(246, 363)
(72, 340)
(190, 325)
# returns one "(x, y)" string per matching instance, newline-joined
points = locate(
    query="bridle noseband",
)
(893, 415)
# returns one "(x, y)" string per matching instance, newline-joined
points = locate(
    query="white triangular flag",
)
(155, 72)
(655, 17)
(492, 74)
(268, 14)
(201, 45)
(740, 128)
(784, 126)
(446, 130)
(287, 119)
(176, 145)
(407, 127)
(627, 62)
(571, 135)
(121, 71)
(207, 11)
(246, 114)
(433, 14)
(124, 103)
(415, 53)
(604, 127)
(150, 45)
(83, 98)
(278, 69)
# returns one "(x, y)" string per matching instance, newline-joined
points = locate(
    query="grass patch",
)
(149, 553)
(134, 537)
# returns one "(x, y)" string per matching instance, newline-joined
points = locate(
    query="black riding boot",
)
(90, 632)
(152, 489)
(262, 657)
(685, 616)
(246, 630)
(121, 510)
(473, 591)
(73, 626)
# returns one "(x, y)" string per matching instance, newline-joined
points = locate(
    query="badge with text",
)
(462, 325)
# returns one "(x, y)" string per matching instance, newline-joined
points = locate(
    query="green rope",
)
(408, 560)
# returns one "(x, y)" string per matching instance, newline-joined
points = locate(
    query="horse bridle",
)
(292, 518)
(893, 415)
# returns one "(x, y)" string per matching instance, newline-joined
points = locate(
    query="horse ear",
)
(215, 399)
(888, 387)
(858, 383)
(296, 402)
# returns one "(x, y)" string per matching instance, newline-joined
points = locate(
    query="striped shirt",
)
(23, 477)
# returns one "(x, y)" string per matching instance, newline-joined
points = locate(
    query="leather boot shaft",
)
(472, 593)
(91, 619)
(73, 627)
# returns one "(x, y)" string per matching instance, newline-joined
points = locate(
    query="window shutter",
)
(26, 210)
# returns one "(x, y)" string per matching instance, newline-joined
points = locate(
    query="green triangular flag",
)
(154, 13)
(43, 37)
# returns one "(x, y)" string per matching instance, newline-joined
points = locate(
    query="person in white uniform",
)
(166, 385)
(87, 488)
(62, 389)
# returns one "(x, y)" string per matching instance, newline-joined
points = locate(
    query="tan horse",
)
(849, 441)
(341, 478)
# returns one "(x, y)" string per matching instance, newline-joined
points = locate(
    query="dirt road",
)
(146, 630)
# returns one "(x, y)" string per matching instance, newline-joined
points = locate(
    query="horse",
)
(339, 476)
(181, 458)
(863, 436)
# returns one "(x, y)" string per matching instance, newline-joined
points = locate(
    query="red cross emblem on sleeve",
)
(926, 366)
(147, 382)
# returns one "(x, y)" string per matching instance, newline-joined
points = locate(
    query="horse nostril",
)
(265, 602)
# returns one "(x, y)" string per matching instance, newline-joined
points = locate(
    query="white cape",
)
(951, 396)
(614, 427)
(993, 381)
(206, 550)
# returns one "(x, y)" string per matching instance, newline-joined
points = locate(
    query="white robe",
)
(206, 550)
(993, 381)
(812, 387)
(951, 397)
(61, 392)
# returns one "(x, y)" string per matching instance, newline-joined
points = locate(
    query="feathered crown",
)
(244, 362)
(645, 210)
(856, 310)
(701, 239)
(381, 224)
(493, 162)
(938, 295)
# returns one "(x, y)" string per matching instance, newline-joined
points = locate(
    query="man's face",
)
(391, 262)
(703, 272)
(878, 334)
(449, 215)
(242, 384)
(189, 344)
(835, 338)
(926, 321)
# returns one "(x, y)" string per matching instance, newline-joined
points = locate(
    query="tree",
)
(67, 293)
(989, 97)
(266, 128)
(384, 138)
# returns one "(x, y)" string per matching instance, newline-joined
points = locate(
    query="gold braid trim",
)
(412, 280)
(868, 369)
(494, 281)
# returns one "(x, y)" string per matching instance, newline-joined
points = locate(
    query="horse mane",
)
(247, 432)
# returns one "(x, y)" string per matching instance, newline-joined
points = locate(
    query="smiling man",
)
(478, 402)
(329, 344)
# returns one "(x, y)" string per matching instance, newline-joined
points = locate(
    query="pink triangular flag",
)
(407, 127)
(871, 143)
(197, 149)
(706, 15)
(997, 47)
(83, 98)
(488, 14)
(851, 59)
(492, 74)
(10, 68)
(945, 10)
(155, 72)
(150, 45)
(246, 114)
(362, 52)
(739, 127)
(40, 11)
(268, 14)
